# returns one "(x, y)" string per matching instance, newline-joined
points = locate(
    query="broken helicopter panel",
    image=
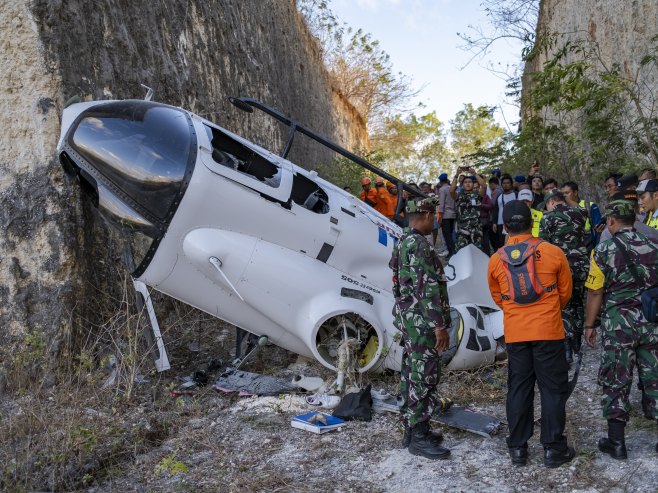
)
(243, 234)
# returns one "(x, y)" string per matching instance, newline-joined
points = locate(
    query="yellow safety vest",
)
(536, 219)
(588, 226)
(652, 219)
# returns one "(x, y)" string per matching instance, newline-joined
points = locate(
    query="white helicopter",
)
(247, 236)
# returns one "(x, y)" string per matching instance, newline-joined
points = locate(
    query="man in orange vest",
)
(368, 194)
(383, 198)
(530, 281)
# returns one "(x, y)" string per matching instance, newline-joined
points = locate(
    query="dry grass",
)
(72, 434)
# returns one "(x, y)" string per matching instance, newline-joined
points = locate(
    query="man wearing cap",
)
(448, 213)
(527, 197)
(422, 314)
(534, 334)
(564, 227)
(647, 194)
(468, 204)
(368, 195)
(383, 198)
(620, 269)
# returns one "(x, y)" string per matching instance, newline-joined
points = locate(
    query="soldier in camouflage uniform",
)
(564, 227)
(422, 315)
(468, 203)
(627, 337)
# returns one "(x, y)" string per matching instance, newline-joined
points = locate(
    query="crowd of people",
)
(561, 269)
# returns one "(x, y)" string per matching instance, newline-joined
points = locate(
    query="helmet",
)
(365, 181)
(379, 181)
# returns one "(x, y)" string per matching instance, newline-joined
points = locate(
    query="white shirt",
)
(503, 199)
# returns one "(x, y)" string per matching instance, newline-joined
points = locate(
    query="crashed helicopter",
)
(247, 236)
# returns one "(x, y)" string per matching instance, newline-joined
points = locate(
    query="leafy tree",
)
(411, 147)
(477, 138)
(588, 117)
(359, 68)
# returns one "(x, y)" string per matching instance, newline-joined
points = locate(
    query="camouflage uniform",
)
(627, 338)
(565, 227)
(468, 227)
(421, 304)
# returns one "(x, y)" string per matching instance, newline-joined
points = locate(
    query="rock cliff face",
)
(620, 32)
(193, 54)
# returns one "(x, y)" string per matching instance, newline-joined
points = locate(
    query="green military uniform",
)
(628, 339)
(468, 227)
(565, 227)
(421, 304)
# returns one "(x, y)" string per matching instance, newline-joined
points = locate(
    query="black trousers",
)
(448, 228)
(543, 362)
(497, 238)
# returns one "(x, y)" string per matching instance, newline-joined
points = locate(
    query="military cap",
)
(519, 179)
(619, 208)
(549, 195)
(647, 186)
(422, 205)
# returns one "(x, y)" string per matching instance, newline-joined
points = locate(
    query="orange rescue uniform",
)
(384, 200)
(370, 198)
(542, 320)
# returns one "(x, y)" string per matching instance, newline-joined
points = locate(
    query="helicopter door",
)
(243, 162)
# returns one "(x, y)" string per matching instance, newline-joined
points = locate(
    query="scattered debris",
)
(310, 384)
(356, 405)
(323, 400)
(468, 419)
(247, 383)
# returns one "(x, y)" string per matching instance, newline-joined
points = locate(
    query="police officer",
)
(564, 226)
(468, 204)
(422, 315)
(647, 194)
(615, 284)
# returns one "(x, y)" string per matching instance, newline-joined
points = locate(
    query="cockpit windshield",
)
(143, 149)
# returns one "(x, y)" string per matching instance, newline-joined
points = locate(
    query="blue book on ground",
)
(302, 422)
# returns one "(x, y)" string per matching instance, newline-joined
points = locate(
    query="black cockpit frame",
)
(294, 126)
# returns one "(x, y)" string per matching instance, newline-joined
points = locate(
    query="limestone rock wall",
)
(623, 33)
(193, 54)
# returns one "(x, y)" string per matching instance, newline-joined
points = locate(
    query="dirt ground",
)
(207, 441)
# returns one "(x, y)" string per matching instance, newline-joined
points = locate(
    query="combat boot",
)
(406, 438)
(424, 444)
(614, 444)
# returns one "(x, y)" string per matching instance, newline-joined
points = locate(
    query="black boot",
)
(614, 445)
(406, 438)
(423, 444)
(554, 458)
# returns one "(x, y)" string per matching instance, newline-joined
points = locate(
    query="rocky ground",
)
(100, 441)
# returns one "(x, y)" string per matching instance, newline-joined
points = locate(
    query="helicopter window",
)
(144, 150)
(237, 156)
(308, 194)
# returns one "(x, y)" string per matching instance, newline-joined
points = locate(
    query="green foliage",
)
(171, 465)
(411, 147)
(477, 138)
(586, 118)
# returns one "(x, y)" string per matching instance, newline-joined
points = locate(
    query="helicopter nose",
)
(134, 158)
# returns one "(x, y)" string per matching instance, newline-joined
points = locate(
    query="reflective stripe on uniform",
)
(536, 219)
(587, 206)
